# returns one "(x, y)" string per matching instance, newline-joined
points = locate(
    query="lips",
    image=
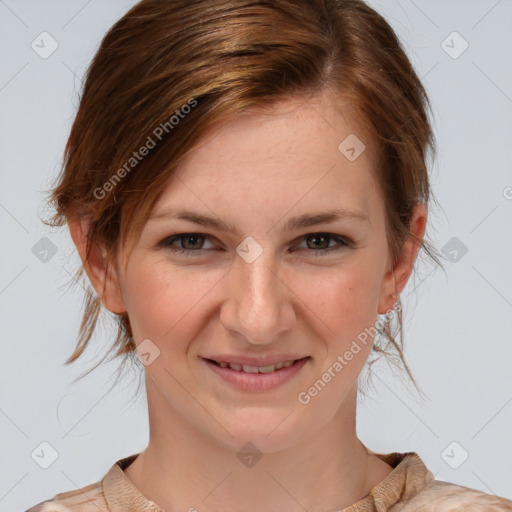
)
(256, 378)
(247, 364)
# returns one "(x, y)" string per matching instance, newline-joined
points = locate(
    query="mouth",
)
(256, 378)
(271, 368)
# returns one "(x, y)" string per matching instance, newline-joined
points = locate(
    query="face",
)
(272, 289)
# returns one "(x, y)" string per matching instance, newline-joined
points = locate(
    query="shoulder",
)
(85, 499)
(114, 488)
(439, 496)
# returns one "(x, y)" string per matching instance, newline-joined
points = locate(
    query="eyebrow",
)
(295, 223)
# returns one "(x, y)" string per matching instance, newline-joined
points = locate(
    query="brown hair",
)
(169, 71)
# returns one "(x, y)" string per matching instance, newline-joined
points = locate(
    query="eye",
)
(192, 244)
(320, 243)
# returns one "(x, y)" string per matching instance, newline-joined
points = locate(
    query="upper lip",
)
(256, 361)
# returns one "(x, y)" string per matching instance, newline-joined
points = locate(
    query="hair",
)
(170, 71)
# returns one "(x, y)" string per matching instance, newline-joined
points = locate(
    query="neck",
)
(184, 469)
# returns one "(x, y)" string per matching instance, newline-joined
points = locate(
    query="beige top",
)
(410, 487)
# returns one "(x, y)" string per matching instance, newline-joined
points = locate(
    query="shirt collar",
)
(408, 477)
(120, 492)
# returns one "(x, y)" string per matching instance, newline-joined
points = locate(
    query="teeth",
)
(250, 369)
(256, 369)
(267, 369)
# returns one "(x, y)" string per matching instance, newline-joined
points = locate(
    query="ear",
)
(396, 278)
(103, 277)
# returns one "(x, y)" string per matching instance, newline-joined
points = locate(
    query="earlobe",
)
(397, 277)
(103, 277)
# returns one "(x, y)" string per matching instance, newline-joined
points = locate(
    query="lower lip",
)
(257, 381)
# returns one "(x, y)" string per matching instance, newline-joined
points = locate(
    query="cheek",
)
(161, 302)
(344, 300)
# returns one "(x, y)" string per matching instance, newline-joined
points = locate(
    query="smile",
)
(255, 369)
(256, 378)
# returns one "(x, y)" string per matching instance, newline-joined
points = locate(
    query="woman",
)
(246, 185)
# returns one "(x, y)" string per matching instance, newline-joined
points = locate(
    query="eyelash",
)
(343, 240)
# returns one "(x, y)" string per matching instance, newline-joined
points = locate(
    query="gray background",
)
(458, 326)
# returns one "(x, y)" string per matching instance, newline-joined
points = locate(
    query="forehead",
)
(290, 129)
(294, 153)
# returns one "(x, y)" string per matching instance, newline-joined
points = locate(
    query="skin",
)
(256, 171)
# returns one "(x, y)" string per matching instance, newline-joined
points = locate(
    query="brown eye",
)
(190, 244)
(192, 241)
(320, 243)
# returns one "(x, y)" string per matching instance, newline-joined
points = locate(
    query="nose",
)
(259, 308)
